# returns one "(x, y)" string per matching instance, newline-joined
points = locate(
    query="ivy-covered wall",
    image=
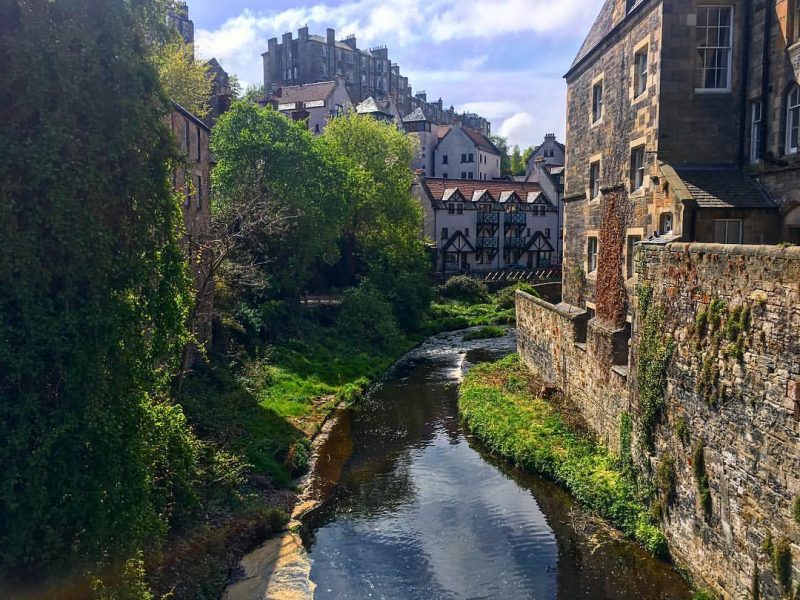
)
(710, 404)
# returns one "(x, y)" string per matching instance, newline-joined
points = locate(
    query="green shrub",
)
(703, 595)
(497, 406)
(465, 289)
(506, 298)
(782, 563)
(703, 487)
(366, 316)
(489, 331)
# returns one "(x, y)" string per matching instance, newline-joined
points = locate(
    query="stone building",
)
(678, 311)
(489, 225)
(550, 150)
(315, 103)
(369, 73)
(192, 182)
(467, 154)
(428, 135)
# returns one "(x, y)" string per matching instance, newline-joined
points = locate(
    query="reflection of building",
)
(192, 182)
(489, 225)
(315, 102)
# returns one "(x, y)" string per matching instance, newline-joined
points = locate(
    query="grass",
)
(499, 405)
(487, 332)
(456, 314)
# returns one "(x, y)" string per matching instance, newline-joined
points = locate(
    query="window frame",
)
(701, 67)
(788, 121)
(630, 269)
(640, 78)
(755, 129)
(594, 180)
(597, 105)
(591, 257)
(728, 222)
(636, 170)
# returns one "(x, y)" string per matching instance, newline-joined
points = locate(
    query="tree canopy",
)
(185, 80)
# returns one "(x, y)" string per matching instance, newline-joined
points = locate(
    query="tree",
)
(385, 220)
(185, 80)
(254, 93)
(516, 165)
(526, 156)
(94, 289)
(502, 145)
(269, 161)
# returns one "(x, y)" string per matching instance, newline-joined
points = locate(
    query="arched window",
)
(793, 120)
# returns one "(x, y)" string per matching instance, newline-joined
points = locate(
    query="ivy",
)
(654, 356)
(701, 478)
(625, 442)
(782, 563)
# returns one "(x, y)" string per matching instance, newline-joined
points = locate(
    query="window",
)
(444, 159)
(186, 136)
(463, 174)
(640, 72)
(469, 175)
(463, 158)
(460, 209)
(466, 232)
(597, 101)
(444, 233)
(451, 208)
(197, 129)
(665, 223)
(547, 232)
(444, 175)
(316, 130)
(728, 231)
(199, 192)
(637, 168)
(471, 158)
(755, 130)
(591, 255)
(632, 241)
(714, 47)
(594, 180)
(793, 120)
(188, 189)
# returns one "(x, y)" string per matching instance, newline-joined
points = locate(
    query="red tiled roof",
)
(436, 187)
(480, 140)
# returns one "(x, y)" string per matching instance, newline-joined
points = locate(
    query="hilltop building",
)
(369, 73)
(317, 103)
(467, 154)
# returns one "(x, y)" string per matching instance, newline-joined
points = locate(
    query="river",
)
(416, 508)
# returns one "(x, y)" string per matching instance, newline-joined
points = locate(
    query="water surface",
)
(420, 510)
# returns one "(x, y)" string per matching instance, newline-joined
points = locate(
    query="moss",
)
(701, 477)
(489, 331)
(796, 510)
(682, 430)
(782, 563)
(700, 322)
(766, 545)
(497, 403)
(715, 310)
(625, 441)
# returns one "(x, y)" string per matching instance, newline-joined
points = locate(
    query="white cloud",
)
(520, 128)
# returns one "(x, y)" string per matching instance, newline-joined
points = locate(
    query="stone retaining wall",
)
(732, 395)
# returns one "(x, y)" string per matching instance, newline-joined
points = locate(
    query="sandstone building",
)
(679, 313)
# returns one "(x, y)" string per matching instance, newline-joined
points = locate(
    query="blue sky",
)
(502, 58)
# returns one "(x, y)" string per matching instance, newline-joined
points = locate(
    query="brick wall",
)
(738, 395)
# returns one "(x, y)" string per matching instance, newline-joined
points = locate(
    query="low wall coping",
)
(568, 311)
(763, 250)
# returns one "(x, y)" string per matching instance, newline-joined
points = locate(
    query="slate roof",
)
(193, 118)
(603, 25)
(308, 92)
(723, 187)
(480, 140)
(372, 105)
(416, 115)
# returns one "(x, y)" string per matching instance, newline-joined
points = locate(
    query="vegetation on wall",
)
(655, 353)
(611, 295)
(701, 478)
(499, 405)
(184, 80)
(781, 558)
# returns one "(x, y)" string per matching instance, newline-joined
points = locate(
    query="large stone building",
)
(678, 311)
(192, 181)
(369, 73)
(481, 226)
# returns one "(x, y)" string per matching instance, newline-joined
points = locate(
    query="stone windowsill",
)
(581, 346)
(621, 370)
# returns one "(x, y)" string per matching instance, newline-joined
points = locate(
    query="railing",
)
(490, 217)
(487, 242)
(515, 242)
(515, 218)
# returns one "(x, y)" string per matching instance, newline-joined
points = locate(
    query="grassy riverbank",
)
(499, 403)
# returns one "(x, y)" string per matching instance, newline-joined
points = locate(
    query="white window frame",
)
(728, 223)
(637, 169)
(661, 222)
(594, 182)
(756, 116)
(596, 108)
(708, 47)
(639, 74)
(591, 257)
(793, 119)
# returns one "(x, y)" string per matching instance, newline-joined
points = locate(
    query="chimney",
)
(538, 167)
(550, 137)
(331, 36)
(302, 33)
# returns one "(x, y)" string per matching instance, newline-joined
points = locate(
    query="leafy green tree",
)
(386, 220)
(185, 80)
(516, 164)
(254, 93)
(526, 156)
(263, 157)
(502, 145)
(94, 288)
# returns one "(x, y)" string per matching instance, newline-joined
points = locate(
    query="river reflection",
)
(421, 511)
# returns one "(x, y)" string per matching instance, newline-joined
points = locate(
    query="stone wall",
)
(732, 396)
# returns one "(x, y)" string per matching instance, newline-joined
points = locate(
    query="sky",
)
(503, 59)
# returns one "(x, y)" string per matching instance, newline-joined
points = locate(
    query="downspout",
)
(743, 154)
(762, 150)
